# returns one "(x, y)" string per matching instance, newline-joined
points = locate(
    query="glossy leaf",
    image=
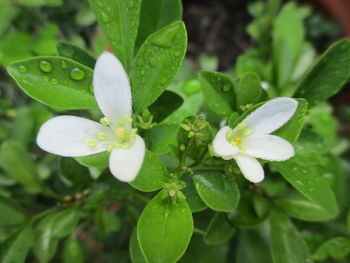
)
(135, 250)
(119, 20)
(286, 243)
(65, 222)
(18, 164)
(23, 126)
(161, 136)
(194, 201)
(157, 63)
(164, 229)
(106, 221)
(55, 81)
(336, 248)
(249, 90)
(217, 190)
(75, 53)
(45, 244)
(99, 160)
(165, 105)
(301, 172)
(72, 251)
(153, 174)
(11, 212)
(16, 247)
(155, 14)
(328, 74)
(302, 209)
(292, 129)
(219, 230)
(218, 91)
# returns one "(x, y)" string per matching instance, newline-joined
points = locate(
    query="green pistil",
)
(236, 138)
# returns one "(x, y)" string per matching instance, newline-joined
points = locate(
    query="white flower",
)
(251, 138)
(74, 136)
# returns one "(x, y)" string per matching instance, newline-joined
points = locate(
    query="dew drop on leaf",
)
(105, 18)
(23, 69)
(54, 81)
(64, 64)
(45, 66)
(226, 88)
(77, 74)
(166, 39)
(46, 78)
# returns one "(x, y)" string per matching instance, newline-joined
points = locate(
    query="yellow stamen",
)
(92, 143)
(242, 125)
(105, 121)
(120, 132)
(247, 132)
(101, 136)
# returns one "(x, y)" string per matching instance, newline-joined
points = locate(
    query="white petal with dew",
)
(112, 88)
(126, 164)
(221, 146)
(268, 147)
(250, 167)
(272, 115)
(70, 135)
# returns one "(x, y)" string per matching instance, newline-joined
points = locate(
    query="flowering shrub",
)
(169, 166)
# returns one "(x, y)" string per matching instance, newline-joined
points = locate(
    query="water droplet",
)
(45, 66)
(23, 69)
(105, 18)
(46, 78)
(226, 88)
(177, 53)
(153, 62)
(54, 81)
(64, 64)
(77, 74)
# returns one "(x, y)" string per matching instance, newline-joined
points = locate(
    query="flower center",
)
(124, 138)
(235, 137)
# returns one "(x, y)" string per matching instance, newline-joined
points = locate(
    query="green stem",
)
(198, 231)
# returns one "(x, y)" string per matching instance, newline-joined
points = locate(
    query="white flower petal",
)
(112, 88)
(221, 146)
(268, 147)
(125, 164)
(70, 135)
(271, 116)
(250, 167)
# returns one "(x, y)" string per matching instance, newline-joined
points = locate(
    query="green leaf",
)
(45, 244)
(328, 74)
(75, 173)
(164, 229)
(18, 164)
(288, 35)
(218, 91)
(7, 12)
(348, 220)
(135, 250)
(161, 136)
(249, 90)
(23, 126)
(302, 209)
(217, 190)
(292, 129)
(155, 14)
(287, 246)
(336, 248)
(157, 63)
(106, 221)
(252, 248)
(194, 201)
(153, 174)
(72, 251)
(11, 212)
(301, 172)
(16, 247)
(99, 160)
(65, 222)
(200, 252)
(119, 20)
(75, 53)
(252, 210)
(55, 81)
(219, 230)
(165, 105)
(45, 43)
